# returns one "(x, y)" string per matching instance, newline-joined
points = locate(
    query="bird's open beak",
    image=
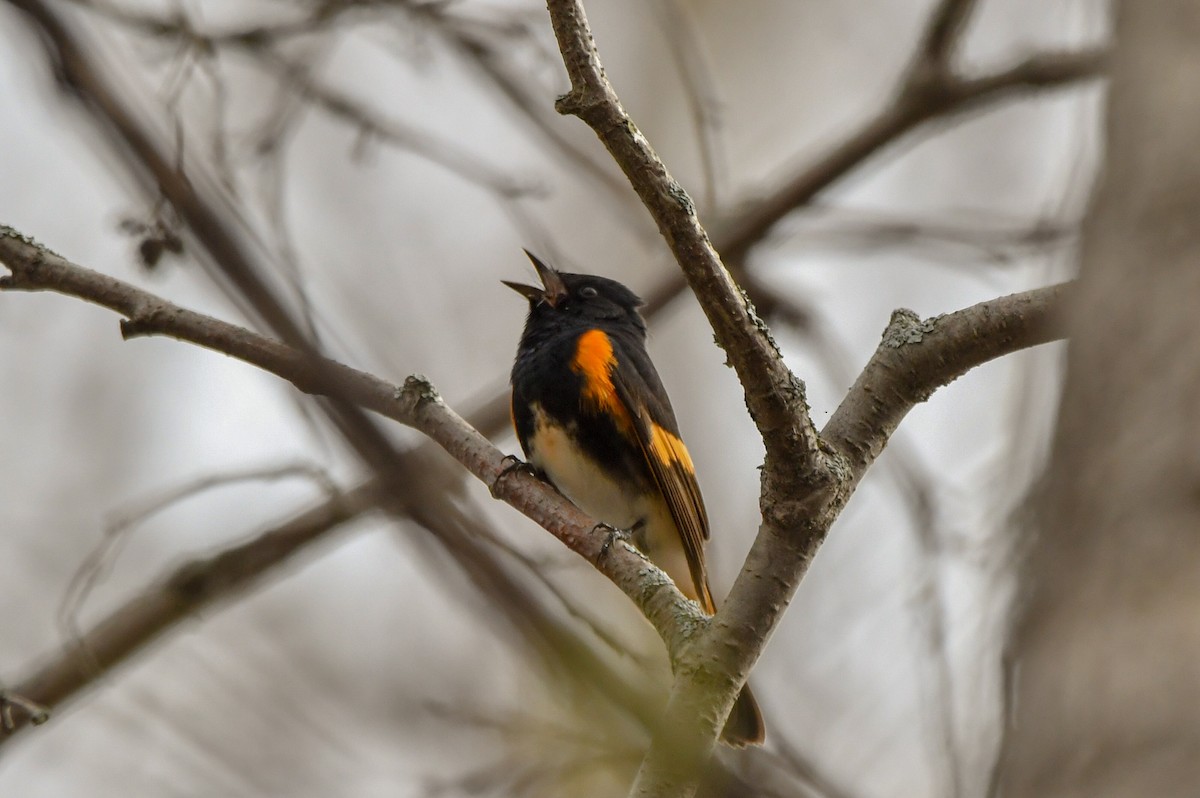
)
(553, 290)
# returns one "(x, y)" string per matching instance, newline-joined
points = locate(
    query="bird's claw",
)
(612, 537)
(513, 463)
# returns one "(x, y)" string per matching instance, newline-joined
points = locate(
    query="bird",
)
(592, 417)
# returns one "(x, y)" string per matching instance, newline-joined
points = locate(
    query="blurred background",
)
(382, 164)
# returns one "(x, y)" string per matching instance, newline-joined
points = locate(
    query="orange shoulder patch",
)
(669, 449)
(594, 361)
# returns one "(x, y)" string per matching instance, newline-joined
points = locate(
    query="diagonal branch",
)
(416, 404)
(187, 591)
(209, 582)
(685, 42)
(419, 490)
(919, 100)
(914, 358)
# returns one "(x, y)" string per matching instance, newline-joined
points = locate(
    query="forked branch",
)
(806, 481)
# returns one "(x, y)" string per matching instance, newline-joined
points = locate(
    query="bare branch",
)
(774, 395)
(803, 490)
(915, 104)
(231, 257)
(736, 235)
(416, 405)
(371, 124)
(944, 31)
(418, 489)
(187, 591)
(930, 91)
(99, 561)
(916, 357)
(491, 63)
(696, 73)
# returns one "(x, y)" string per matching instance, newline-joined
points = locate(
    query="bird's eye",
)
(587, 292)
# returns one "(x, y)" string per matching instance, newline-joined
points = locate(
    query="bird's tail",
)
(745, 724)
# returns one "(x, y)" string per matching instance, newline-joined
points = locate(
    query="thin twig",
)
(372, 125)
(911, 108)
(943, 33)
(686, 45)
(100, 560)
(185, 592)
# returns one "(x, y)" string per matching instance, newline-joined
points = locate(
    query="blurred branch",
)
(206, 583)
(925, 94)
(999, 242)
(231, 258)
(99, 561)
(473, 42)
(257, 43)
(736, 234)
(943, 32)
(922, 97)
(492, 63)
(686, 45)
(417, 405)
(371, 124)
(187, 591)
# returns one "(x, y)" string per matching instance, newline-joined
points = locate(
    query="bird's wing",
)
(669, 464)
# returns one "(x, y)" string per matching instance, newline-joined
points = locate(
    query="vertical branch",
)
(774, 395)
(798, 479)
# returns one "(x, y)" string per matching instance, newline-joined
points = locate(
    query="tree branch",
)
(416, 404)
(803, 489)
(913, 359)
(736, 235)
(918, 356)
(774, 395)
(943, 31)
(187, 591)
(923, 96)
(419, 489)
(688, 241)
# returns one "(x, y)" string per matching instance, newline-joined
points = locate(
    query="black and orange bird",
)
(592, 416)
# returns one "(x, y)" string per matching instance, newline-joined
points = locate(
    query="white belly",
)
(590, 487)
(579, 478)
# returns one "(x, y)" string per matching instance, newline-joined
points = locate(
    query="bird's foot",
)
(612, 536)
(512, 463)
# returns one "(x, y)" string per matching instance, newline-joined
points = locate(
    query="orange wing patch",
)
(669, 449)
(594, 361)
